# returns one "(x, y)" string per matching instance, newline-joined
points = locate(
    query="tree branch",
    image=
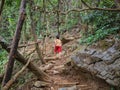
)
(105, 9)
(32, 67)
(86, 4)
(74, 10)
(96, 8)
(25, 45)
(15, 42)
(1, 6)
(10, 82)
(33, 27)
(89, 8)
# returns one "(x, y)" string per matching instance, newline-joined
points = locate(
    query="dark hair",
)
(58, 36)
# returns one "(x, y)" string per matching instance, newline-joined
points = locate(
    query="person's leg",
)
(59, 55)
(60, 52)
(55, 51)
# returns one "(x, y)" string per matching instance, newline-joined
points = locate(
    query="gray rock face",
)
(102, 64)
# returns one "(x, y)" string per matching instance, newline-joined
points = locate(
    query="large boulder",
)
(104, 64)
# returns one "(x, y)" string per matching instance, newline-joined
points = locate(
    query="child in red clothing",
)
(58, 49)
(58, 46)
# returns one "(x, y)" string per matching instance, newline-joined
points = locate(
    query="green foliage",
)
(106, 3)
(71, 23)
(104, 23)
(3, 60)
(99, 34)
(9, 18)
(100, 19)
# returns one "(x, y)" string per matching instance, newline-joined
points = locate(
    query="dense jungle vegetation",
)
(97, 19)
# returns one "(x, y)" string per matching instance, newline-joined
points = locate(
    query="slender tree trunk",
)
(58, 17)
(66, 16)
(34, 34)
(1, 9)
(16, 39)
(24, 36)
(1, 6)
(45, 27)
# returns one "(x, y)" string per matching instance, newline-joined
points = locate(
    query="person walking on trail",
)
(58, 47)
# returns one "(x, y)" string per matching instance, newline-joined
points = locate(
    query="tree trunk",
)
(58, 17)
(32, 67)
(24, 36)
(1, 9)
(16, 39)
(34, 34)
(1, 6)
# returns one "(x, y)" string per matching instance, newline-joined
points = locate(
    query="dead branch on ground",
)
(12, 80)
(30, 53)
(25, 45)
(68, 84)
(32, 67)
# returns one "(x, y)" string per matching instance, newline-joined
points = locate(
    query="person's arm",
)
(61, 42)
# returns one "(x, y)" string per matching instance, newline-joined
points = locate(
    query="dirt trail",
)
(65, 76)
(69, 77)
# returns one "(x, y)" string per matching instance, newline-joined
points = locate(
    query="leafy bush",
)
(99, 34)
(104, 22)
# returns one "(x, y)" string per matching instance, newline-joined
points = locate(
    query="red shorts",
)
(57, 49)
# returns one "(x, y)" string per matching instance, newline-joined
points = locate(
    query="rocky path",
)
(66, 76)
(63, 76)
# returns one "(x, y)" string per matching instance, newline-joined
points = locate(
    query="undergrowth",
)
(98, 35)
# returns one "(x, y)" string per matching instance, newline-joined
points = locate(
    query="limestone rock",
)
(104, 64)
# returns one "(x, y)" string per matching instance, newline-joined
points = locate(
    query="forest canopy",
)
(46, 16)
